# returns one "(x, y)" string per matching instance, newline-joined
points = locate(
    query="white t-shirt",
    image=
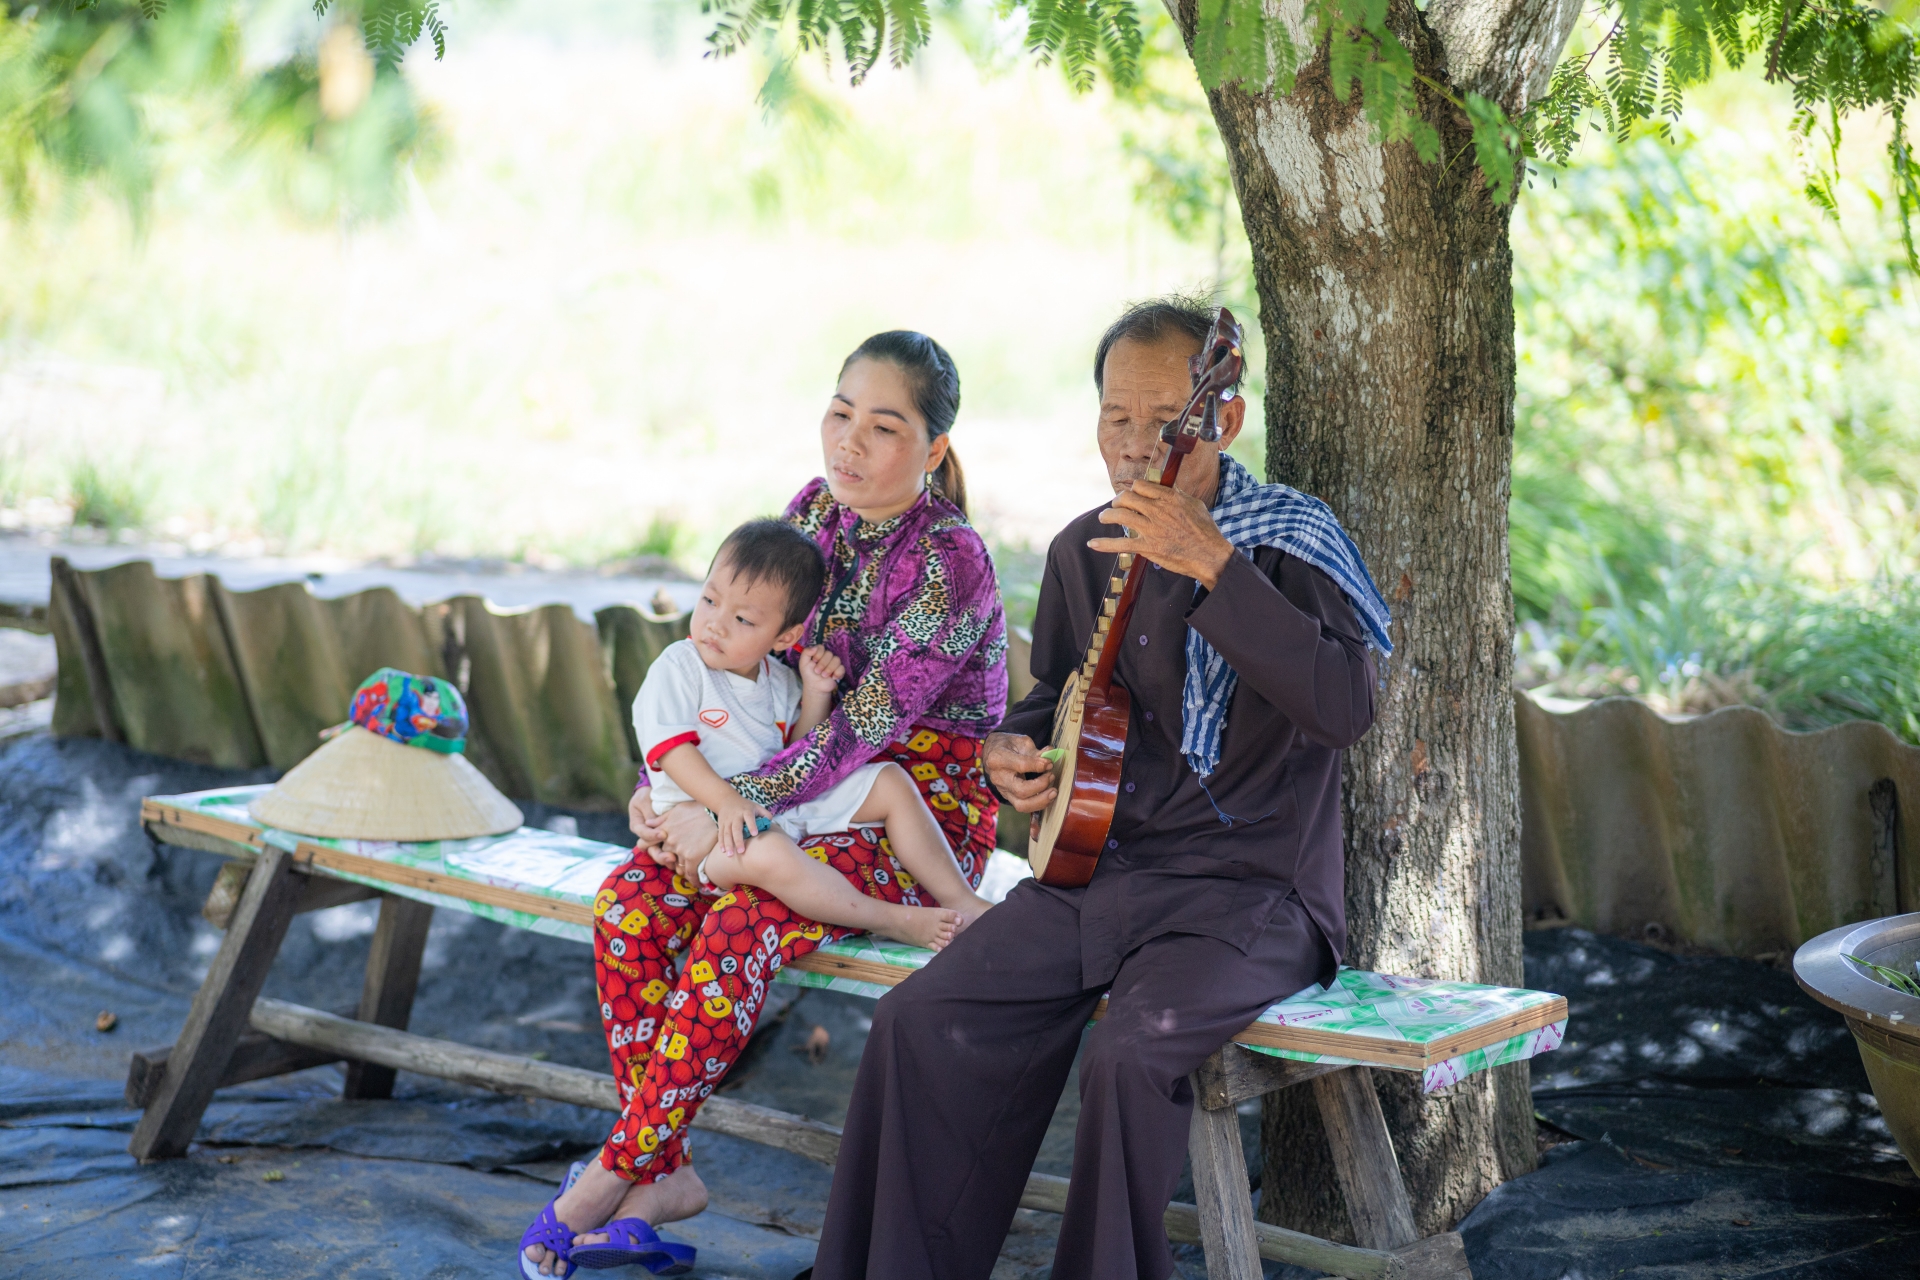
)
(738, 724)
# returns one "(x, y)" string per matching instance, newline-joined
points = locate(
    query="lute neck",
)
(1123, 586)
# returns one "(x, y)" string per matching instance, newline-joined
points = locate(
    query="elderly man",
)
(1219, 892)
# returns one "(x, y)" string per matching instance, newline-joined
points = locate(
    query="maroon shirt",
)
(1181, 860)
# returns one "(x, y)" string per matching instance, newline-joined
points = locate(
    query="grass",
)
(1716, 493)
(1905, 983)
(108, 497)
(1709, 635)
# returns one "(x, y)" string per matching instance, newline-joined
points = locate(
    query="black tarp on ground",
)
(1706, 1092)
(1727, 1131)
(438, 1182)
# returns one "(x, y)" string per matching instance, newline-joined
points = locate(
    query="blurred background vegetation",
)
(575, 293)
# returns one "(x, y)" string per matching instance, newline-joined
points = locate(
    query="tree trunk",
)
(1385, 288)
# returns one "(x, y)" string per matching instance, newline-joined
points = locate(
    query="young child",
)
(718, 704)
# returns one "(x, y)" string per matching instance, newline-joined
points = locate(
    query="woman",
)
(910, 607)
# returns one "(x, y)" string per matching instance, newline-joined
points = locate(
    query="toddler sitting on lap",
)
(719, 704)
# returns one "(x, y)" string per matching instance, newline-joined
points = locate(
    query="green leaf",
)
(1497, 145)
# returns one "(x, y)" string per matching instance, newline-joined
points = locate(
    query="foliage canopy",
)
(1838, 57)
(99, 90)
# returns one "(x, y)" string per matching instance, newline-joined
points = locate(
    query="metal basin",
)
(1885, 1023)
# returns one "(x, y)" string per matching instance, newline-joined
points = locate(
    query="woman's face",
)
(874, 442)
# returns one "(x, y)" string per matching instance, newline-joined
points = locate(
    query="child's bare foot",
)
(929, 927)
(971, 910)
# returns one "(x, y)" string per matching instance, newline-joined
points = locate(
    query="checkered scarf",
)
(1251, 515)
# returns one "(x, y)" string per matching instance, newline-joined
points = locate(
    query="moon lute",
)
(1090, 720)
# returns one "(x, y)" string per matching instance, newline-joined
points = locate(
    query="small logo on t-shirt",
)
(713, 719)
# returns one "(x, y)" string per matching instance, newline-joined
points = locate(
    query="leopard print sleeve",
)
(931, 646)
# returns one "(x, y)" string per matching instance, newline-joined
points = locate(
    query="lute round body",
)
(1070, 834)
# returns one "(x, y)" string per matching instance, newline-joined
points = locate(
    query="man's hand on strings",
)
(1009, 756)
(1172, 529)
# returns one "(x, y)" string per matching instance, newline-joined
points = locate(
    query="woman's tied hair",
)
(935, 382)
(930, 371)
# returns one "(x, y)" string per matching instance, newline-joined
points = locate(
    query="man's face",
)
(1145, 385)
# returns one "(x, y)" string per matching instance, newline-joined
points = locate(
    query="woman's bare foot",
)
(680, 1194)
(929, 927)
(589, 1202)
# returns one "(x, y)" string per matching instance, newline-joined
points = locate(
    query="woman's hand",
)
(820, 671)
(690, 837)
(646, 827)
(1010, 758)
(642, 820)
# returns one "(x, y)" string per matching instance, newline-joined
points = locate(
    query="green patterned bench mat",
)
(1445, 1030)
(546, 882)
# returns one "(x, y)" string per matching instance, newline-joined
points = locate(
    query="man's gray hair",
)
(1152, 320)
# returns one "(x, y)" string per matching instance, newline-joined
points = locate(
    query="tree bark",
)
(1385, 287)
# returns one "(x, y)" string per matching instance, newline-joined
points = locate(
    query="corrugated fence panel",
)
(242, 679)
(300, 657)
(632, 640)
(541, 696)
(175, 687)
(1724, 831)
(74, 712)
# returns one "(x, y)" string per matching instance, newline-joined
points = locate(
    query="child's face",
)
(736, 623)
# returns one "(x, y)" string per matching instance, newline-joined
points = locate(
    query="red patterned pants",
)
(683, 975)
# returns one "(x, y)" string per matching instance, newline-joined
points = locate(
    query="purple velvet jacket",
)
(912, 609)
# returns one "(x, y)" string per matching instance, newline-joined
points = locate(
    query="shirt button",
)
(1129, 788)
(1113, 844)
(1143, 639)
(1149, 715)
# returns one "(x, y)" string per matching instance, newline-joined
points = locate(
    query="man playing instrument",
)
(1219, 892)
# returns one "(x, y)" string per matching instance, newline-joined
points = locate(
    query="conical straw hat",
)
(361, 786)
(395, 772)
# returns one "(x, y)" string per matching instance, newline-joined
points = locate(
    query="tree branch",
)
(1504, 50)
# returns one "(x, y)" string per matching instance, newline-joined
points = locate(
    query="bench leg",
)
(220, 1010)
(1363, 1159)
(393, 973)
(1220, 1189)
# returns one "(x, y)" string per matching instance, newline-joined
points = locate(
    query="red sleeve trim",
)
(678, 739)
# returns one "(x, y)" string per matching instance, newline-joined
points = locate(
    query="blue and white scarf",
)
(1251, 515)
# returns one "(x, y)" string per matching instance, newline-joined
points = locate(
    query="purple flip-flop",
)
(552, 1234)
(634, 1242)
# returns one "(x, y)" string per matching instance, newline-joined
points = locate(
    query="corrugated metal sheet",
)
(241, 679)
(1723, 832)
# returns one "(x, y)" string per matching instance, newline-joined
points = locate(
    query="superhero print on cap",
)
(417, 711)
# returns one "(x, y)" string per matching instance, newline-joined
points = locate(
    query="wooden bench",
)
(540, 880)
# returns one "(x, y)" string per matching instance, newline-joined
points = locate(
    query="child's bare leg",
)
(773, 862)
(918, 842)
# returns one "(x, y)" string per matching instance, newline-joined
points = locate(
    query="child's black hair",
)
(774, 551)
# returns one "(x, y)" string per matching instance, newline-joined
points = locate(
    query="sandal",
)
(633, 1241)
(551, 1234)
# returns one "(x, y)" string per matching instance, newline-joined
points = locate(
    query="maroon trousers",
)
(967, 1059)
